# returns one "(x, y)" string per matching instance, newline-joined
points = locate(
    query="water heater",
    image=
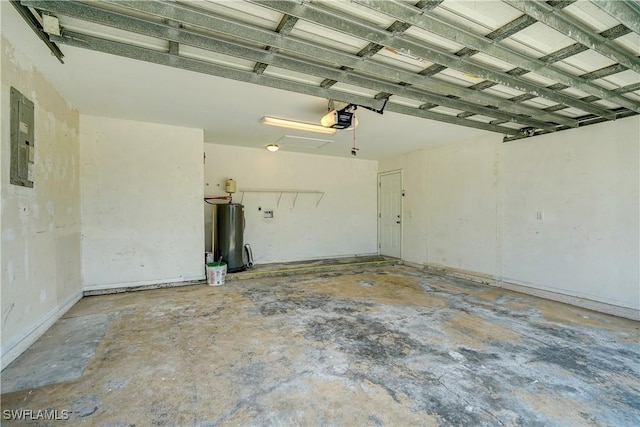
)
(228, 231)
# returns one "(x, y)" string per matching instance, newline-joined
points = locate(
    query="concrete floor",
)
(382, 345)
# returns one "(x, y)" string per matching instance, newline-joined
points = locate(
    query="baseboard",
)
(472, 276)
(412, 264)
(320, 258)
(141, 286)
(17, 346)
(601, 307)
(589, 304)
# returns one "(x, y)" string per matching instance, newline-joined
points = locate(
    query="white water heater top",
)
(230, 186)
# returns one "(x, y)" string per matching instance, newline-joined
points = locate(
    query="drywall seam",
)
(18, 345)
(500, 196)
(427, 229)
(602, 307)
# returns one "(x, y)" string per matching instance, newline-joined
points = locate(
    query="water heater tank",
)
(230, 186)
(228, 239)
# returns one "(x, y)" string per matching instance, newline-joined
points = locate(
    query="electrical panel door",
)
(22, 141)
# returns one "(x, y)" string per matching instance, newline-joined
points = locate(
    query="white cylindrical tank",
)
(230, 186)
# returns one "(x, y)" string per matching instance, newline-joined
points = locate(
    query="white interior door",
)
(390, 214)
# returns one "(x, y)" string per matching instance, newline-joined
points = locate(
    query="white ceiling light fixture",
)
(273, 147)
(292, 124)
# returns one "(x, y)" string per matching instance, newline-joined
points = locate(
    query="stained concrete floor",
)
(386, 345)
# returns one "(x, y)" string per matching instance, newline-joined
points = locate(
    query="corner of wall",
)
(555, 215)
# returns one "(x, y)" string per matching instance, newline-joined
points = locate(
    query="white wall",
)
(480, 199)
(461, 182)
(344, 222)
(141, 203)
(40, 248)
(586, 182)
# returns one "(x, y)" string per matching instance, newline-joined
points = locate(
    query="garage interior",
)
(462, 247)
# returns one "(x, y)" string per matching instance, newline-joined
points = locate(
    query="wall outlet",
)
(268, 214)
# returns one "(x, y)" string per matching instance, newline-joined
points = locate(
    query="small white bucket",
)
(216, 272)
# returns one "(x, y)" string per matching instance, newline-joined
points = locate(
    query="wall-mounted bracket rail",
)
(281, 192)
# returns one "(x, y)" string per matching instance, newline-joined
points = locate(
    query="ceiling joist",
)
(403, 11)
(353, 26)
(567, 25)
(627, 12)
(468, 86)
(269, 57)
(190, 64)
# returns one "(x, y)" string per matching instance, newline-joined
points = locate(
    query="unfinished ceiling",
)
(514, 67)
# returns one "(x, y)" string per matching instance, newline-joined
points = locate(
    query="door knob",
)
(397, 222)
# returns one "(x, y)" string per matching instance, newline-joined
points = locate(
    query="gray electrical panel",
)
(22, 141)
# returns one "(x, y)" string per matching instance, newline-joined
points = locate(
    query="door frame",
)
(379, 214)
